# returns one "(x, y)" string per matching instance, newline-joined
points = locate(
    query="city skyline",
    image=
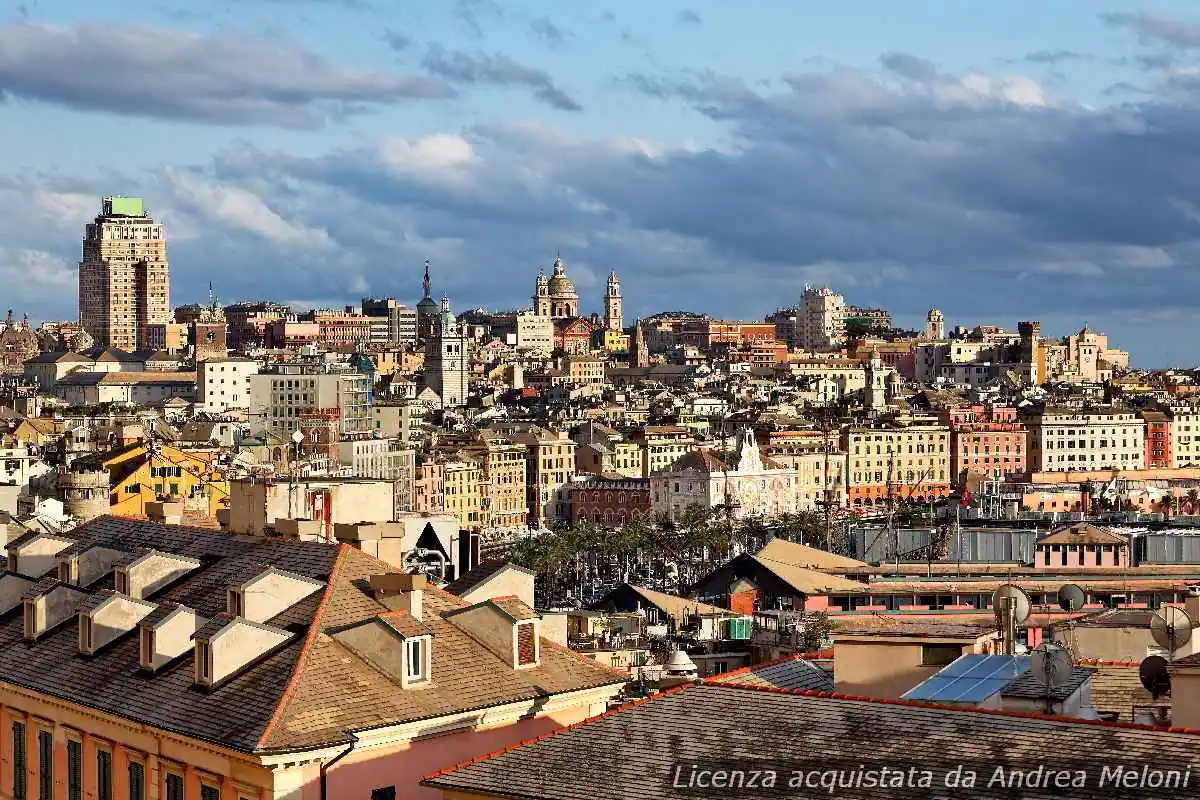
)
(996, 169)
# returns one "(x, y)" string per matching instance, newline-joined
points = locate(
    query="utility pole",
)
(827, 495)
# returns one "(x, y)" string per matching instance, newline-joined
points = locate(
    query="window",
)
(148, 647)
(103, 775)
(414, 666)
(122, 582)
(385, 793)
(210, 793)
(85, 633)
(18, 758)
(137, 781)
(202, 652)
(74, 769)
(939, 655)
(45, 765)
(526, 644)
(235, 603)
(174, 787)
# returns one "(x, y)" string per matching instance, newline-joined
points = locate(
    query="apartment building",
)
(662, 446)
(124, 282)
(391, 322)
(505, 501)
(223, 384)
(903, 463)
(1158, 440)
(466, 491)
(339, 328)
(985, 439)
(820, 465)
(1184, 432)
(233, 667)
(280, 396)
(1076, 440)
(401, 420)
(549, 469)
(249, 323)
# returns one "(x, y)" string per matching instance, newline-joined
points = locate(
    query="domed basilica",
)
(555, 297)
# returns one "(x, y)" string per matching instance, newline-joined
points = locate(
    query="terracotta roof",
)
(712, 724)
(1116, 688)
(793, 672)
(672, 604)
(1082, 533)
(312, 691)
(810, 581)
(698, 460)
(891, 626)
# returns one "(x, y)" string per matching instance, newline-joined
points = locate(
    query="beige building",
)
(1184, 431)
(464, 491)
(1070, 440)
(887, 661)
(124, 284)
(505, 501)
(223, 384)
(550, 466)
(662, 446)
(127, 388)
(257, 505)
(904, 463)
(1083, 356)
(819, 468)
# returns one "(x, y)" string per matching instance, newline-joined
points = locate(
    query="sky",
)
(1000, 161)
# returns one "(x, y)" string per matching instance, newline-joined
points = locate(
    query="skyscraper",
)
(124, 285)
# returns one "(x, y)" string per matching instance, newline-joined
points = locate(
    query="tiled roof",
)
(698, 460)
(1083, 533)
(311, 691)
(485, 570)
(642, 743)
(514, 608)
(802, 555)
(789, 673)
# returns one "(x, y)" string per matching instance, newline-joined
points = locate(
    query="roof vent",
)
(147, 571)
(399, 592)
(269, 593)
(49, 604)
(505, 626)
(35, 554)
(166, 634)
(106, 616)
(227, 645)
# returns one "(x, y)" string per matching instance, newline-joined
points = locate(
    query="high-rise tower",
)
(124, 283)
(613, 319)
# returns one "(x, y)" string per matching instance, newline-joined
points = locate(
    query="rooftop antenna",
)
(1012, 608)
(1071, 598)
(1051, 665)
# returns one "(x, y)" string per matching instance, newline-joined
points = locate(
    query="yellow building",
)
(464, 490)
(610, 341)
(41, 432)
(138, 476)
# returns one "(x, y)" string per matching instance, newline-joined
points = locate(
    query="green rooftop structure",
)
(122, 206)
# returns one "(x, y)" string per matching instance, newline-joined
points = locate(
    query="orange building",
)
(1158, 440)
(985, 439)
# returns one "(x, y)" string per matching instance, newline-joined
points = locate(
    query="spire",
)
(9, 323)
(425, 284)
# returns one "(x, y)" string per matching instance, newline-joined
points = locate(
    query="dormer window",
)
(414, 660)
(147, 647)
(527, 644)
(121, 578)
(203, 662)
(85, 633)
(235, 603)
(66, 570)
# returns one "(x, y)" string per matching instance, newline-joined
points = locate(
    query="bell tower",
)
(613, 319)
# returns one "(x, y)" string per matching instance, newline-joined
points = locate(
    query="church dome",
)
(560, 284)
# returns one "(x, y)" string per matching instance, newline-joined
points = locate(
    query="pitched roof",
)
(482, 573)
(311, 691)
(801, 555)
(1083, 533)
(808, 581)
(671, 604)
(642, 743)
(793, 672)
(698, 460)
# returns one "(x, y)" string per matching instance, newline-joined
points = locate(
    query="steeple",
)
(425, 283)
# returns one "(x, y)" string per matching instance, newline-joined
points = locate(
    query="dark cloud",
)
(909, 66)
(163, 74)
(496, 70)
(690, 17)
(1158, 28)
(547, 31)
(397, 40)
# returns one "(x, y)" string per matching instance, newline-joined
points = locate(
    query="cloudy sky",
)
(1002, 161)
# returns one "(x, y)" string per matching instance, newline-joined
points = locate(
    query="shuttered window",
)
(74, 770)
(137, 781)
(210, 793)
(19, 767)
(174, 787)
(103, 775)
(526, 644)
(45, 765)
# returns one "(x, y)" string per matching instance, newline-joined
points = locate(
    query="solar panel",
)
(970, 679)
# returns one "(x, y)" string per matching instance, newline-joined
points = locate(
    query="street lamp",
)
(297, 440)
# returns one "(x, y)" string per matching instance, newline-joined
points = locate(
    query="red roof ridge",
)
(548, 734)
(888, 701)
(313, 629)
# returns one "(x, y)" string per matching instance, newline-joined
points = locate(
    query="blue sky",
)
(1001, 161)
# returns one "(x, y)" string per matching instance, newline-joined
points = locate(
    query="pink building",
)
(1081, 545)
(985, 439)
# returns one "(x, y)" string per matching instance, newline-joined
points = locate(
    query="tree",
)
(1193, 498)
(817, 627)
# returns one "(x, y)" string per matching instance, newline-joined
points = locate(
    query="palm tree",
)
(1168, 504)
(1193, 498)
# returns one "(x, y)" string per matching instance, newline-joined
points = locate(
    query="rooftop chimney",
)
(399, 591)
(165, 512)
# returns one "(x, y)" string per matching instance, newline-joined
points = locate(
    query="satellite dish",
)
(1052, 665)
(1008, 593)
(1154, 676)
(1071, 597)
(1171, 628)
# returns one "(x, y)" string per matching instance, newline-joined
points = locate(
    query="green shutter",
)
(19, 766)
(137, 781)
(210, 793)
(45, 765)
(103, 775)
(174, 787)
(74, 770)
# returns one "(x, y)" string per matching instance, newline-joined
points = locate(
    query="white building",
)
(821, 319)
(223, 384)
(1185, 435)
(754, 484)
(447, 360)
(1065, 440)
(278, 399)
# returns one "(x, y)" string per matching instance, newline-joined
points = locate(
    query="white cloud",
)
(433, 155)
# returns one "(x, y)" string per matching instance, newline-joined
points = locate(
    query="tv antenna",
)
(1071, 598)
(1171, 628)
(1051, 665)
(1012, 608)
